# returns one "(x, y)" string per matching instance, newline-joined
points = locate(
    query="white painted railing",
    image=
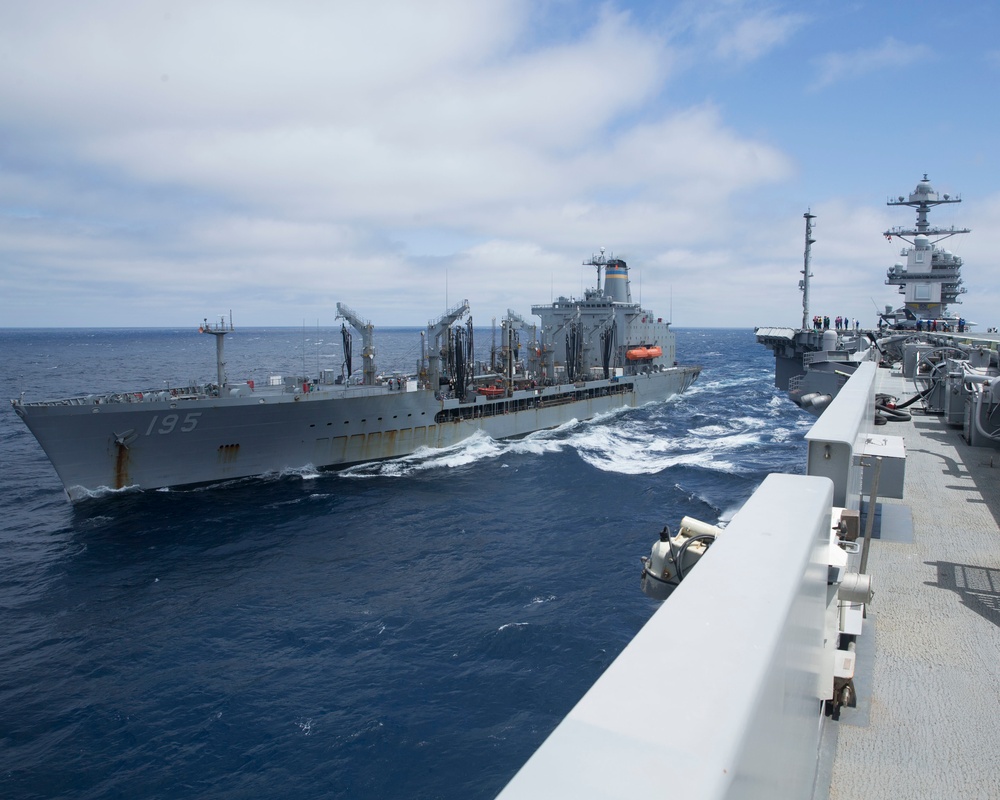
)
(839, 434)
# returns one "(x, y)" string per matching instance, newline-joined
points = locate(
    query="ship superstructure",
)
(605, 330)
(589, 356)
(931, 277)
(930, 280)
(957, 372)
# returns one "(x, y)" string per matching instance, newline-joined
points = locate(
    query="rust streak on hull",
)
(121, 466)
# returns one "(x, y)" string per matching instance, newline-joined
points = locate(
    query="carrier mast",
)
(806, 274)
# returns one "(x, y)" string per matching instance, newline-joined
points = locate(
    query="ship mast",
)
(597, 262)
(923, 199)
(806, 274)
(931, 277)
(218, 331)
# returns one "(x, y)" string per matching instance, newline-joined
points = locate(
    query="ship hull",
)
(153, 443)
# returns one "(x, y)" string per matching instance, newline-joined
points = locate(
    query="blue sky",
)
(165, 161)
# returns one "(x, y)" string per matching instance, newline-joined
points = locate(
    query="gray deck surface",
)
(927, 723)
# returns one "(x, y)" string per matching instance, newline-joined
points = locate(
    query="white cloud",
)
(734, 31)
(105, 64)
(751, 38)
(891, 54)
(275, 158)
(387, 143)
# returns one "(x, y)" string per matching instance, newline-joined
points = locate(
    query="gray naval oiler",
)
(589, 356)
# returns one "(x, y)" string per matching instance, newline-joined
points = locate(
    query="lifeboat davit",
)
(639, 353)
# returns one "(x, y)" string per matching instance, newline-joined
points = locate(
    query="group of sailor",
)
(841, 323)
(933, 326)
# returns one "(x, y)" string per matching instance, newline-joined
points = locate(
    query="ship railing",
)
(796, 381)
(845, 356)
(840, 433)
(452, 313)
(200, 392)
(114, 398)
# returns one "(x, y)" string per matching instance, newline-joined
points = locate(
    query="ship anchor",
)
(126, 438)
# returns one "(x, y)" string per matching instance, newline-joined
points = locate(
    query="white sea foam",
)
(713, 387)
(750, 422)
(781, 434)
(709, 430)
(638, 462)
(611, 442)
(477, 447)
(538, 600)
(635, 447)
(306, 472)
(80, 493)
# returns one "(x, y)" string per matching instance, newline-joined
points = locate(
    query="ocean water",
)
(410, 629)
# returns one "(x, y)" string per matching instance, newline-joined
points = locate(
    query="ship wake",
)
(628, 442)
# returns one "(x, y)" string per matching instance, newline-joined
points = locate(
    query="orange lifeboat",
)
(490, 391)
(639, 353)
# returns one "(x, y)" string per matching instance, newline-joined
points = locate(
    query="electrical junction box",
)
(844, 664)
(852, 617)
(851, 520)
(892, 450)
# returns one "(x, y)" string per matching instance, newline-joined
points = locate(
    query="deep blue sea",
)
(412, 629)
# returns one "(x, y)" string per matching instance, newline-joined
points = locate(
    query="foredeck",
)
(927, 724)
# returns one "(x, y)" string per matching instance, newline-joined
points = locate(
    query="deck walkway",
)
(927, 723)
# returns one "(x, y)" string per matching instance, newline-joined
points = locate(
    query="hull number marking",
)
(169, 423)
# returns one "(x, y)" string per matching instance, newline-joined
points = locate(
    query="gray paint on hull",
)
(176, 442)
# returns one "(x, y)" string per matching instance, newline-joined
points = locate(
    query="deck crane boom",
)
(367, 331)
